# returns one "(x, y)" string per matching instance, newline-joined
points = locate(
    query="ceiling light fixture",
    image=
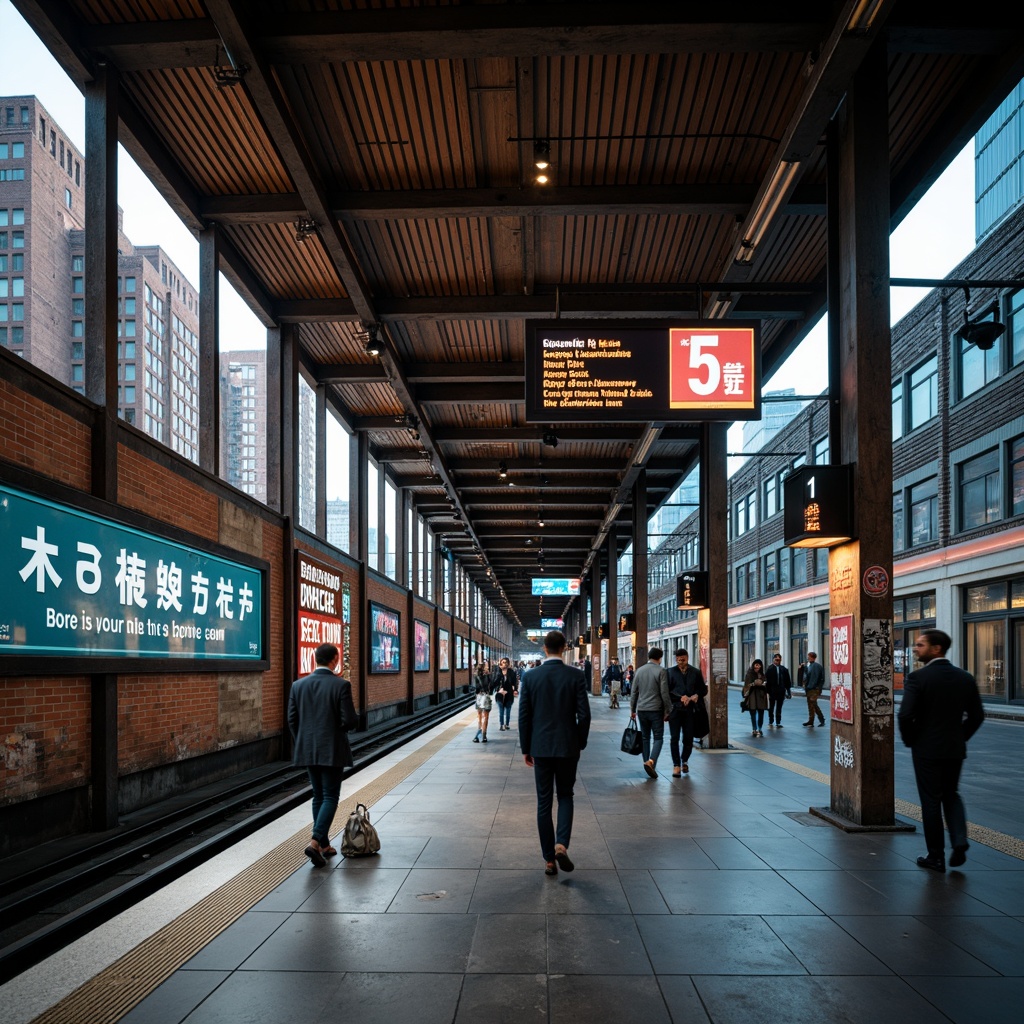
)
(864, 15)
(503, 470)
(550, 439)
(305, 228)
(542, 161)
(372, 345)
(226, 77)
(769, 205)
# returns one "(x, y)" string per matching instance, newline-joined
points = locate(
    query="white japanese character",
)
(244, 601)
(88, 573)
(200, 587)
(39, 563)
(734, 378)
(131, 578)
(225, 595)
(168, 586)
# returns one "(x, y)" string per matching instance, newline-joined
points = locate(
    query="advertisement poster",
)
(421, 641)
(76, 584)
(443, 640)
(323, 606)
(385, 639)
(841, 639)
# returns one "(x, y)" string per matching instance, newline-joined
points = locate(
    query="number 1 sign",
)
(711, 367)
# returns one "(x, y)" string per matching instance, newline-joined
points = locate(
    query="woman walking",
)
(755, 693)
(484, 689)
(505, 684)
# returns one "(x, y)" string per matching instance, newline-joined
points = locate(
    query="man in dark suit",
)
(554, 723)
(941, 710)
(778, 682)
(320, 713)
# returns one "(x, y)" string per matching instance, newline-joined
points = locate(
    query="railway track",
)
(63, 895)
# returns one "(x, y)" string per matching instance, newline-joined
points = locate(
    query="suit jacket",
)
(685, 684)
(940, 711)
(554, 710)
(320, 713)
(777, 678)
(814, 676)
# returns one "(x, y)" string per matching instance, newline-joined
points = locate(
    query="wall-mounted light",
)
(502, 470)
(372, 344)
(982, 334)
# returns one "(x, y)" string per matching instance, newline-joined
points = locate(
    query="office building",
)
(243, 421)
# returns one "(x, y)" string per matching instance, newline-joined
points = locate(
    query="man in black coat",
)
(686, 687)
(320, 713)
(941, 710)
(778, 682)
(554, 723)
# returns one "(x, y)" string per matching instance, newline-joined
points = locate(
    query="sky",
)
(930, 242)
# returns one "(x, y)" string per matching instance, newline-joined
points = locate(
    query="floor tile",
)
(503, 999)
(509, 943)
(172, 1001)
(606, 945)
(236, 943)
(730, 892)
(974, 1000)
(586, 999)
(822, 947)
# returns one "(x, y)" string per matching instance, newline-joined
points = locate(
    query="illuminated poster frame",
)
(324, 612)
(628, 372)
(443, 650)
(384, 650)
(421, 645)
(552, 586)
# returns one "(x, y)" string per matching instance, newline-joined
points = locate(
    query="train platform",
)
(718, 896)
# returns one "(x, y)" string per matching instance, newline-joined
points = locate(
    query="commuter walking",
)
(627, 680)
(484, 699)
(940, 711)
(650, 698)
(814, 681)
(554, 723)
(686, 687)
(612, 682)
(755, 692)
(505, 684)
(778, 680)
(320, 714)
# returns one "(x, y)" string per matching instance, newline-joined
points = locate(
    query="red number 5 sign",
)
(711, 368)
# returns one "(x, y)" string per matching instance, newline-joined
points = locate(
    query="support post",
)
(209, 351)
(640, 565)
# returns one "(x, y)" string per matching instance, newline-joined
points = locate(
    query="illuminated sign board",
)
(78, 584)
(691, 590)
(592, 371)
(552, 623)
(627, 623)
(324, 611)
(544, 586)
(818, 509)
(385, 647)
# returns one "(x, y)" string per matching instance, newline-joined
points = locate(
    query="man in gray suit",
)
(650, 697)
(814, 682)
(940, 711)
(554, 723)
(320, 713)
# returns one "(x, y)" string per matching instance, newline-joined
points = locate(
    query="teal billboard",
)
(81, 585)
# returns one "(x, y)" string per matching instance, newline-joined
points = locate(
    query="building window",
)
(17, 239)
(797, 644)
(768, 574)
(77, 350)
(746, 581)
(1015, 325)
(897, 410)
(924, 512)
(979, 490)
(770, 500)
(67, 198)
(78, 264)
(821, 452)
(898, 542)
(746, 514)
(748, 646)
(924, 392)
(1016, 503)
(77, 329)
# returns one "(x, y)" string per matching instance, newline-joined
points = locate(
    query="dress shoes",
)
(806, 724)
(562, 857)
(958, 856)
(314, 854)
(932, 863)
(550, 868)
(649, 768)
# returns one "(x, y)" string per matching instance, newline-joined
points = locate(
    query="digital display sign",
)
(691, 590)
(818, 511)
(543, 586)
(552, 623)
(385, 647)
(323, 611)
(591, 371)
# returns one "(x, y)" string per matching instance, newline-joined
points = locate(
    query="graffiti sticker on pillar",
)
(876, 678)
(842, 753)
(841, 639)
(875, 581)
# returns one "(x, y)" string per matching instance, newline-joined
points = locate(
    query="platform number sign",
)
(711, 367)
(818, 512)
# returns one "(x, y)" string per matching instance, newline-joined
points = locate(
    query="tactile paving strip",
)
(1010, 845)
(108, 996)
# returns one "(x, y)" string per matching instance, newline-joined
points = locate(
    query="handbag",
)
(701, 723)
(743, 705)
(632, 739)
(360, 838)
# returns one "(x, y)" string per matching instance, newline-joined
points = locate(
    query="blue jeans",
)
(757, 719)
(554, 775)
(652, 728)
(505, 714)
(326, 783)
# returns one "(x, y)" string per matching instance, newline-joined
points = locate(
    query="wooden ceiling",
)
(405, 129)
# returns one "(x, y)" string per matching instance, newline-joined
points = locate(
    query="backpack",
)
(360, 838)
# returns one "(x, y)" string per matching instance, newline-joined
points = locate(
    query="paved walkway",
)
(715, 897)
